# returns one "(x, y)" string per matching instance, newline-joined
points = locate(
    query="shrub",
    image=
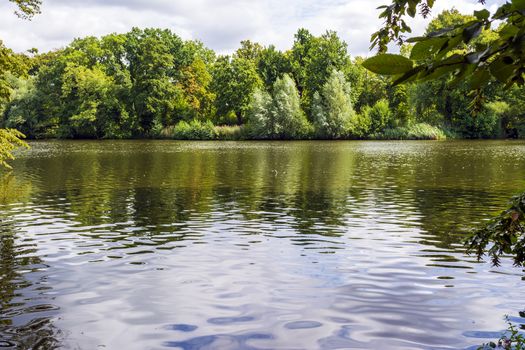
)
(362, 126)
(229, 132)
(194, 130)
(419, 131)
(486, 124)
(380, 116)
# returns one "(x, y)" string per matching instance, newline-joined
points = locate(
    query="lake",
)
(254, 245)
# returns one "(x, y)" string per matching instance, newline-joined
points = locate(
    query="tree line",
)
(151, 83)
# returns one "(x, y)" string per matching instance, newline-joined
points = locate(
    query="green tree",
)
(234, 82)
(332, 113)
(273, 64)
(10, 65)
(314, 58)
(155, 60)
(380, 116)
(278, 115)
(249, 51)
(93, 111)
(199, 99)
(10, 139)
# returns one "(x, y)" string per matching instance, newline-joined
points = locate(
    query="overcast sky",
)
(220, 24)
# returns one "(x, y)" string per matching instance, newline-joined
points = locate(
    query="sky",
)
(219, 24)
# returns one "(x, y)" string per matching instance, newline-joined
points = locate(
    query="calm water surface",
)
(307, 245)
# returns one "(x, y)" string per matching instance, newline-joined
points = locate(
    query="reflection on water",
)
(301, 245)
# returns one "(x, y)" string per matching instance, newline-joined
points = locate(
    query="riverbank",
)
(207, 131)
(196, 130)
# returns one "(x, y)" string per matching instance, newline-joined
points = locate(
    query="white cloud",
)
(220, 24)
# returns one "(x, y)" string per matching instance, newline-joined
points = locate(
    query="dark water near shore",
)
(306, 245)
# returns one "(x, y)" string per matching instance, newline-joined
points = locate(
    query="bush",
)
(229, 132)
(419, 131)
(194, 130)
(380, 116)
(483, 125)
(362, 126)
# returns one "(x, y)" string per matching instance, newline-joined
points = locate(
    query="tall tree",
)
(273, 64)
(10, 64)
(12, 139)
(332, 112)
(234, 82)
(314, 58)
(155, 60)
(278, 115)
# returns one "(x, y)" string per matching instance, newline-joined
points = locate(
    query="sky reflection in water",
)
(302, 245)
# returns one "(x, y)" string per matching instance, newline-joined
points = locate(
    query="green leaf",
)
(508, 31)
(472, 31)
(412, 8)
(503, 11)
(479, 78)
(465, 71)
(416, 39)
(441, 32)
(424, 49)
(388, 64)
(476, 57)
(439, 71)
(451, 44)
(482, 15)
(501, 70)
(518, 4)
(411, 75)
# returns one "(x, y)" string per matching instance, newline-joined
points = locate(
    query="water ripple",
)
(321, 245)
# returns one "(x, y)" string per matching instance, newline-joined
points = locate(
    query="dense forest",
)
(151, 83)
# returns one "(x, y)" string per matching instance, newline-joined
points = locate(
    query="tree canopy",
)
(454, 48)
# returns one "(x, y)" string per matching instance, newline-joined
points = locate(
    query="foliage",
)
(194, 130)
(456, 48)
(512, 340)
(481, 60)
(143, 83)
(313, 59)
(332, 113)
(278, 115)
(380, 116)
(27, 8)
(10, 65)
(272, 64)
(483, 125)
(420, 131)
(234, 81)
(503, 235)
(10, 140)
(230, 132)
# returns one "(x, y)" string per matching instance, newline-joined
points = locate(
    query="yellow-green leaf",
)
(388, 64)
